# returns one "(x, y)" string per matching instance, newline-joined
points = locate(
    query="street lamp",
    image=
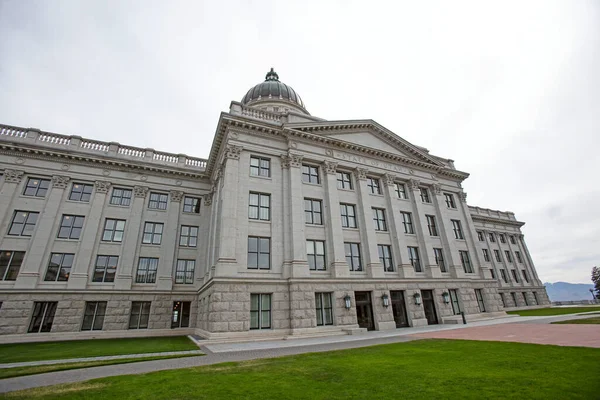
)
(446, 297)
(417, 297)
(386, 300)
(347, 301)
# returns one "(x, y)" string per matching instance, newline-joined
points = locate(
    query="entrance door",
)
(399, 308)
(429, 307)
(364, 311)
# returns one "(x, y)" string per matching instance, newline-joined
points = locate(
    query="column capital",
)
(176, 195)
(140, 191)
(330, 167)
(233, 152)
(361, 173)
(437, 188)
(208, 197)
(291, 160)
(13, 175)
(102, 186)
(60, 181)
(462, 196)
(414, 184)
(389, 179)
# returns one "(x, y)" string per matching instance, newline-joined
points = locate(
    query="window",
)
(457, 229)
(379, 219)
(508, 256)
(514, 275)
(456, 310)
(184, 272)
(259, 206)
(310, 174)
(113, 230)
(146, 271)
(93, 316)
(518, 255)
(480, 236)
(105, 269)
(512, 239)
(503, 300)
(312, 212)
(514, 298)
(188, 236)
(486, 255)
(480, 302)
(407, 222)
(449, 200)
(492, 238)
(352, 251)
(81, 192)
(424, 195)
(43, 316)
(260, 311)
(497, 256)
(413, 256)
(140, 314)
(23, 223)
(152, 233)
(324, 308)
(10, 264)
(120, 197)
(431, 225)
(348, 215)
(70, 227)
(525, 298)
(158, 201)
(525, 276)
(504, 276)
(439, 259)
(502, 238)
(385, 257)
(260, 166)
(401, 191)
(259, 252)
(535, 298)
(59, 267)
(315, 251)
(180, 317)
(36, 187)
(191, 205)
(373, 185)
(344, 181)
(493, 274)
(466, 261)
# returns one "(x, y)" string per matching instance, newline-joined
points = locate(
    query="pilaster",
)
(468, 231)
(335, 243)
(365, 225)
(444, 217)
(9, 184)
(399, 244)
(169, 243)
(430, 268)
(529, 261)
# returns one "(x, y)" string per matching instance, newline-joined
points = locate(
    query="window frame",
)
(184, 275)
(414, 258)
(95, 316)
(146, 275)
(486, 255)
(438, 254)
(184, 240)
(5, 270)
(315, 257)
(344, 180)
(400, 189)
(47, 309)
(153, 234)
(465, 260)
(431, 225)
(407, 223)
(525, 275)
(502, 238)
(518, 256)
(424, 195)
(515, 275)
(346, 217)
(497, 255)
(26, 227)
(321, 308)
(310, 174)
(142, 321)
(455, 301)
(449, 199)
(181, 319)
(457, 229)
(259, 207)
(504, 275)
(159, 203)
(259, 167)
(114, 230)
(386, 260)
(107, 270)
(71, 227)
(191, 205)
(353, 256)
(311, 211)
(374, 185)
(60, 267)
(379, 220)
(120, 199)
(480, 236)
(480, 302)
(260, 311)
(258, 253)
(80, 194)
(508, 256)
(37, 188)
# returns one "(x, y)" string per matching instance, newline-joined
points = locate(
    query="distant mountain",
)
(564, 291)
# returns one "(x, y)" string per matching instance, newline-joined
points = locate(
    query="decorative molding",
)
(102, 186)
(13, 175)
(291, 160)
(415, 184)
(233, 152)
(176, 195)
(463, 197)
(208, 197)
(330, 167)
(437, 188)
(65, 167)
(106, 172)
(60, 181)
(20, 160)
(389, 179)
(361, 173)
(140, 191)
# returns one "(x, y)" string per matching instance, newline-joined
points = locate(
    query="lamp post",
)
(347, 301)
(417, 297)
(446, 297)
(386, 300)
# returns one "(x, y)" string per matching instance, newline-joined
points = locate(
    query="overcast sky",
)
(509, 90)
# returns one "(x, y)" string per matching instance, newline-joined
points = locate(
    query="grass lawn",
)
(20, 352)
(593, 320)
(424, 369)
(554, 311)
(42, 369)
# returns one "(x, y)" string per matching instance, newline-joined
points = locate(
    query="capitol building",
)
(292, 226)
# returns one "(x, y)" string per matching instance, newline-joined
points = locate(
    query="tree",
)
(596, 280)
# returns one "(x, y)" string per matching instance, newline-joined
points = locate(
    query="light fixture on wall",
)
(417, 297)
(386, 300)
(446, 297)
(347, 301)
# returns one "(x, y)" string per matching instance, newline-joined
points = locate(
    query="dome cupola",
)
(274, 95)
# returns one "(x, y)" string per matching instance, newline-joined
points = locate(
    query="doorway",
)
(399, 308)
(429, 307)
(364, 311)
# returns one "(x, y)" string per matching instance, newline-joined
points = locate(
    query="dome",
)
(274, 91)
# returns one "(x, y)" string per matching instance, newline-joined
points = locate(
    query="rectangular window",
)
(120, 197)
(191, 205)
(180, 317)
(504, 276)
(502, 238)
(113, 230)
(503, 300)
(401, 191)
(81, 192)
(344, 180)
(23, 223)
(260, 311)
(188, 236)
(105, 269)
(313, 212)
(480, 303)
(431, 225)
(379, 219)
(456, 227)
(146, 271)
(93, 316)
(373, 185)
(456, 310)
(525, 298)
(480, 236)
(385, 257)
(324, 309)
(158, 201)
(259, 206)
(315, 251)
(512, 240)
(525, 276)
(259, 252)
(59, 267)
(407, 222)
(10, 264)
(493, 274)
(424, 195)
(71, 227)
(184, 272)
(518, 255)
(260, 166)
(514, 298)
(508, 256)
(152, 233)
(439, 259)
(515, 275)
(466, 261)
(352, 251)
(497, 256)
(36, 187)
(310, 174)
(492, 238)
(535, 299)
(348, 215)
(413, 256)
(43, 316)
(449, 200)
(486, 255)
(140, 314)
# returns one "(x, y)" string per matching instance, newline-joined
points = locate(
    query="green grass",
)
(21, 352)
(42, 369)
(424, 369)
(593, 320)
(554, 311)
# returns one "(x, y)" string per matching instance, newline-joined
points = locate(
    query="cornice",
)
(482, 218)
